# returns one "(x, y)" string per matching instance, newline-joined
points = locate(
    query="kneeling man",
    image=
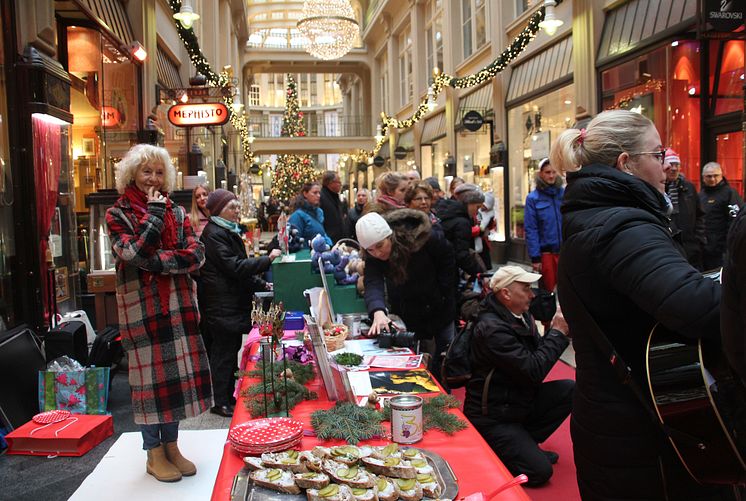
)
(507, 399)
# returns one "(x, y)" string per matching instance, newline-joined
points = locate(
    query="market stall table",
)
(475, 465)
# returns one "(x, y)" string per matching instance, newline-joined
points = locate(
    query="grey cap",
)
(433, 183)
(468, 193)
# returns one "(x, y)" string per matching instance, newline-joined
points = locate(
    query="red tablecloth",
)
(476, 467)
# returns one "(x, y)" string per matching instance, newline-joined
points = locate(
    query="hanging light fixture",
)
(550, 23)
(431, 103)
(186, 15)
(237, 104)
(329, 26)
(379, 134)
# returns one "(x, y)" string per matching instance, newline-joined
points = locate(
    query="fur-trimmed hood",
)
(413, 226)
(559, 182)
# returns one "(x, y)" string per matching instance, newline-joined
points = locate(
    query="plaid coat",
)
(169, 373)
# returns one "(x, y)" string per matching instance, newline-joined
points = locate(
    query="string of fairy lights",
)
(440, 80)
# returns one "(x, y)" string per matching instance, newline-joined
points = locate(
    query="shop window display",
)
(727, 72)
(532, 127)
(663, 85)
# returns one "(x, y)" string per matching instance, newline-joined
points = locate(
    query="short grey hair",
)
(144, 154)
(712, 166)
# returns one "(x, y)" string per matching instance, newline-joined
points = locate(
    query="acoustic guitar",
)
(701, 404)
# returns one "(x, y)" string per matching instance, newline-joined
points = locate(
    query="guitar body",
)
(702, 404)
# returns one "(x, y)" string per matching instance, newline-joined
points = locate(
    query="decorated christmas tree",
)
(292, 171)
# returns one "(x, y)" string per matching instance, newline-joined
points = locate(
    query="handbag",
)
(78, 391)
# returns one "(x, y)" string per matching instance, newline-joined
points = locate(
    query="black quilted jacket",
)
(619, 257)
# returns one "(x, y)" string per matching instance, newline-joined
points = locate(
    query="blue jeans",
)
(154, 435)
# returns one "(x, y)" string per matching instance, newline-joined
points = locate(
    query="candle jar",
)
(406, 419)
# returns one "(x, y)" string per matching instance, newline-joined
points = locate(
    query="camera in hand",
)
(397, 339)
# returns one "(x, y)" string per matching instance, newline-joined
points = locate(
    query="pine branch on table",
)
(348, 422)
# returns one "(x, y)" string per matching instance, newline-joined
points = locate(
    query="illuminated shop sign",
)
(110, 116)
(187, 115)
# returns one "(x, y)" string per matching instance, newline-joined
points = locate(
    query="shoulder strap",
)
(572, 302)
(486, 387)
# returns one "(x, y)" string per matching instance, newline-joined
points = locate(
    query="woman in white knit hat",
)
(417, 268)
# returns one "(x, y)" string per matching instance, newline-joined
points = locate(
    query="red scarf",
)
(389, 200)
(138, 200)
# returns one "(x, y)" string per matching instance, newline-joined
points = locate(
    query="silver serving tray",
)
(245, 490)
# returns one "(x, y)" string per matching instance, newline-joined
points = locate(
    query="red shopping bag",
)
(73, 436)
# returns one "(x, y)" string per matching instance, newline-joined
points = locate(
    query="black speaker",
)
(21, 359)
(68, 339)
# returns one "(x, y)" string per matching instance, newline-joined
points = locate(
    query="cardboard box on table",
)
(65, 438)
(290, 279)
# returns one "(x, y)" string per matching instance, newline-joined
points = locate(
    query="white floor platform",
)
(121, 473)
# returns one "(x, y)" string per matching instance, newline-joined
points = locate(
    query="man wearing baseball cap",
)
(506, 398)
(687, 216)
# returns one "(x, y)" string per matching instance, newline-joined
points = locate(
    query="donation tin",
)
(406, 419)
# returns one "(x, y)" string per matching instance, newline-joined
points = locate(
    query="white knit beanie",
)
(371, 229)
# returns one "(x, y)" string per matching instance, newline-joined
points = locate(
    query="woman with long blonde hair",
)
(200, 215)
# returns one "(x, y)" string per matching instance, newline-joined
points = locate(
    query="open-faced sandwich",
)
(385, 451)
(332, 492)
(311, 460)
(391, 466)
(421, 465)
(430, 486)
(312, 480)
(276, 479)
(362, 494)
(287, 460)
(409, 489)
(253, 463)
(351, 475)
(386, 489)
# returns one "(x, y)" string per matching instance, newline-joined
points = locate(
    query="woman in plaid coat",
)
(155, 251)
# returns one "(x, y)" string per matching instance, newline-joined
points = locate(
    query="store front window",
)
(726, 71)
(104, 99)
(7, 236)
(663, 85)
(532, 127)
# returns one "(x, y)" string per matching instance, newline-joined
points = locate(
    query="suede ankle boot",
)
(160, 467)
(185, 466)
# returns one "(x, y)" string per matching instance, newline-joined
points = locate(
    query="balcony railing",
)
(316, 126)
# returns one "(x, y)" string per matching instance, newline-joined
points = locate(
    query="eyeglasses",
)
(660, 154)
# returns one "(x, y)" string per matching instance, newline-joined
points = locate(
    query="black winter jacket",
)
(229, 279)
(335, 215)
(715, 202)
(688, 220)
(425, 301)
(456, 224)
(733, 309)
(521, 359)
(619, 257)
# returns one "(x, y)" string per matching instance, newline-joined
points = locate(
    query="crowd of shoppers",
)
(624, 243)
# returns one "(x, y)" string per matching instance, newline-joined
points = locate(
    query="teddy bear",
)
(356, 266)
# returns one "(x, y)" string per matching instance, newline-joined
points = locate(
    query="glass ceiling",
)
(272, 24)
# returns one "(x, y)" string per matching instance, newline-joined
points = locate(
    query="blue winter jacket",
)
(309, 220)
(543, 222)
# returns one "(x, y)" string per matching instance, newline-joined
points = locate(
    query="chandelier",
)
(329, 26)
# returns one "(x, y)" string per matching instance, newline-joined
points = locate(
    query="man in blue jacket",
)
(543, 223)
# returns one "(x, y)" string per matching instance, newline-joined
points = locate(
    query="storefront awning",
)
(168, 72)
(435, 128)
(109, 14)
(550, 68)
(406, 140)
(639, 23)
(480, 100)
